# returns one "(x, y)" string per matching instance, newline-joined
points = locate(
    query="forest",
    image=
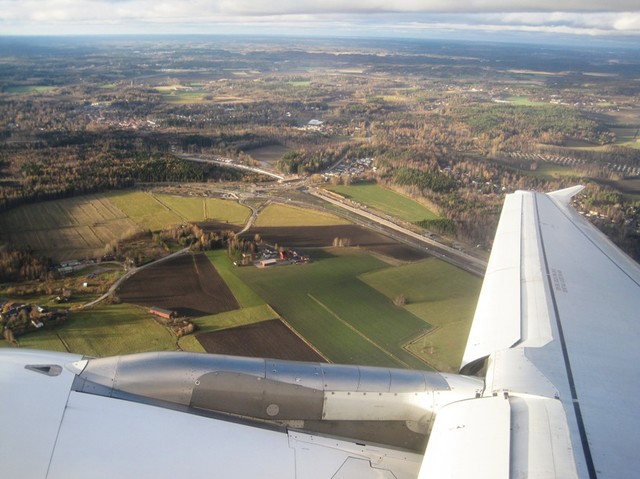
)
(450, 128)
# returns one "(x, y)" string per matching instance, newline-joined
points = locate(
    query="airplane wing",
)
(557, 327)
(556, 330)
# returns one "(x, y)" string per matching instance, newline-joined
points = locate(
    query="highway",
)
(458, 258)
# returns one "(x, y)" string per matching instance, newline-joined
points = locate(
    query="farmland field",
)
(188, 284)
(629, 137)
(291, 226)
(442, 296)
(386, 201)
(344, 318)
(245, 296)
(29, 89)
(267, 339)
(75, 228)
(287, 215)
(155, 212)
(322, 236)
(227, 319)
(71, 228)
(104, 331)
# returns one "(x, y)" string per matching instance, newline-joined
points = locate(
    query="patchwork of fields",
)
(344, 318)
(441, 295)
(342, 303)
(81, 227)
(72, 228)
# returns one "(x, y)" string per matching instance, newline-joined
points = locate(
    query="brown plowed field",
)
(188, 284)
(321, 236)
(268, 339)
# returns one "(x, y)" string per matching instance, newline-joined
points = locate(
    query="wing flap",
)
(470, 439)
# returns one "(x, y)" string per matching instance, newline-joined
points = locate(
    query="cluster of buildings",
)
(351, 168)
(271, 257)
(99, 113)
(17, 319)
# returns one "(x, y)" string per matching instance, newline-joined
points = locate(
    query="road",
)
(458, 258)
(229, 163)
(114, 287)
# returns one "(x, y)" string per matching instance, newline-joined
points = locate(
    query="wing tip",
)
(564, 196)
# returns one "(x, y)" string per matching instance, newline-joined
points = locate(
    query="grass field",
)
(245, 296)
(524, 101)
(386, 201)
(71, 228)
(29, 89)
(628, 137)
(75, 228)
(551, 170)
(155, 212)
(104, 331)
(441, 295)
(286, 215)
(181, 95)
(300, 83)
(347, 320)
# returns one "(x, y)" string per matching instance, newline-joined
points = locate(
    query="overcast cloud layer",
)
(363, 17)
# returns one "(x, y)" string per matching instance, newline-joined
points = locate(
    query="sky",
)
(371, 18)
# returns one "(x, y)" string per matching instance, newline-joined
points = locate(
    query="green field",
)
(551, 170)
(29, 89)
(71, 228)
(627, 137)
(342, 303)
(386, 201)
(156, 212)
(525, 101)
(300, 83)
(80, 227)
(347, 320)
(104, 331)
(286, 215)
(244, 295)
(182, 95)
(441, 295)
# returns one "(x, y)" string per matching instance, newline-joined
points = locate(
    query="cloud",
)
(598, 17)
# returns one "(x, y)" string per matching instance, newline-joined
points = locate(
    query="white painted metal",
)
(579, 299)
(32, 406)
(318, 456)
(51, 431)
(597, 293)
(540, 439)
(470, 439)
(496, 323)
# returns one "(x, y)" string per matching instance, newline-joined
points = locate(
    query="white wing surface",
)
(559, 321)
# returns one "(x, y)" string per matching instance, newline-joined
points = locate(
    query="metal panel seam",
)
(576, 405)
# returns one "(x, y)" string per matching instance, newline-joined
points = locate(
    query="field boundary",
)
(359, 333)
(167, 207)
(421, 335)
(302, 338)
